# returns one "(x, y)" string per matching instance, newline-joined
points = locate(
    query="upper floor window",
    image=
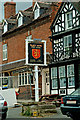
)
(5, 52)
(5, 27)
(68, 20)
(20, 21)
(68, 43)
(36, 13)
(29, 37)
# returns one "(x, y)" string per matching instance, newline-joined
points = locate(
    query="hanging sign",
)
(35, 53)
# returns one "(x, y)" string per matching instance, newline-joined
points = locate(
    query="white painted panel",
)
(73, 13)
(62, 92)
(54, 91)
(70, 90)
(10, 96)
(62, 17)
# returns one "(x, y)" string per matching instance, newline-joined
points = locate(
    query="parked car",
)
(70, 105)
(3, 108)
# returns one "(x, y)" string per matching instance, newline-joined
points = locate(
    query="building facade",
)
(65, 67)
(32, 23)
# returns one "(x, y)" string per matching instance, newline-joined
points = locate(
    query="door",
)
(47, 90)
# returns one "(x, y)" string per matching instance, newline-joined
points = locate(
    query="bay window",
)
(54, 77)
(62, 76)
(70, 75)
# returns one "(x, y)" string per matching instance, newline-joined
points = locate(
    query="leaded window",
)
(5, 52)
(70, 75)
(68, 20)
(62, 76)
(68, 44)
(54, 77)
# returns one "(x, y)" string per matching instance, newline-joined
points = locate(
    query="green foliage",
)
(28, 112)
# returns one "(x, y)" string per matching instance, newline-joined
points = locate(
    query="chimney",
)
(9, 9)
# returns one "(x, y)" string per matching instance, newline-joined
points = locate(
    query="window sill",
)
(25, 85)
(5, 59)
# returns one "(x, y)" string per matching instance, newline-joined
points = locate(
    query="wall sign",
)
(35, 53)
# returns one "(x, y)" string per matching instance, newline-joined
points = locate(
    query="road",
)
(15, 114)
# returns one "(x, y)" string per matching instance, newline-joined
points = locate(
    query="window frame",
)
(66, 40)
(54, 78)
(22, 84)
(5, 52)
(64, 76)
(36, 13)
(5, 27)
(20, 20)
(70, 75)
(68, 20)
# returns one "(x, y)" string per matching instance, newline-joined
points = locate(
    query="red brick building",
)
(32, 23)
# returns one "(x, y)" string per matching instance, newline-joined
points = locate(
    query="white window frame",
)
(36, 13)
(66, 39)
(24, 79)
(53, 78)
(70, 75)
(20, 21)
(29, 37)
(4, 52)
(5, 27)
(67, 21)
(64, 76)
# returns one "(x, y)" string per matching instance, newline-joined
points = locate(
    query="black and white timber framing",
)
(65, 67)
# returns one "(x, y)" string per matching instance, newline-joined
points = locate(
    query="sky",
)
(20, 5)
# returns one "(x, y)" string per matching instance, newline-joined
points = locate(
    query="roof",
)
(44, 5)
(75, 4)
(29, 13)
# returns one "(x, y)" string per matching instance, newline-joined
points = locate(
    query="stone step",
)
(46, 106)
(48, 111)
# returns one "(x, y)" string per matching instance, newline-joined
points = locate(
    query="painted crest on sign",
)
(36, 53)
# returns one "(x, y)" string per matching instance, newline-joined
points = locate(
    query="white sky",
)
(20, 5)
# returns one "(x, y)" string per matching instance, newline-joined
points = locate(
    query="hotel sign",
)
(35, 53)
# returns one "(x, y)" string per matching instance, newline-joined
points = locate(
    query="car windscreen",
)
(1, 98)
(76, 92)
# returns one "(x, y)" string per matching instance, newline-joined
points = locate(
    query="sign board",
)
(35, 52)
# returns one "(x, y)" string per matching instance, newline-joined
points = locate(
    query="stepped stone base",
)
(38, 108)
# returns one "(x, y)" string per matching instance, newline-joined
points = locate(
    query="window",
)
(68, 20)
(5, 27)
(54, 77)
(5, 52)
(29, 37)
(36, 13)
(20, 21)
(70, 75)
(25, 78)
(68, 44)
(62, 76)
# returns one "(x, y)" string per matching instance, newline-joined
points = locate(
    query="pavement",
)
(15, 112)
